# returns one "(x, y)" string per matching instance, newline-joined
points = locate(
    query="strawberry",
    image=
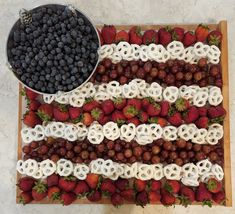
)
(130, 111)
(187, 196)
(203, 195)
(81, 188)
(107, 107)
(94, 196)
(53, 193)
(214, 37)
(128, 194)
(214, 185)
(134, 120)
(119, 103)
(139, 185)
(26, 183)
(34, 105)
(175, 119)
(202, 122)
(182, 104)
(155, 185)
(92, 180)
(68, 198)
(189, 38)
(45, 112)
(191, 114)
(219, 197)
(116, 199)
(135, 102)
(87, 119)
(89, 105)
(67, 183)
(31, 95)
(153, 109)
(52, 180)
(217, 111)
(164, 36)
(146, 102)
(118, 117)
(25, 197)
(154, 197)
(159, 120)
(97, 114)
(150, 36)
(39, 191)
(135, 35)
(165, 107)
(167, 198)
(61, 113)
(172, 186)
(108, 33)
(143, 116)
(122, 36)
(74, 113)
(201, 32)
(108, 187)
(177, 34)
(101, 38)
(31, 119)
(142, 198)
(202, 111)
(121, 184)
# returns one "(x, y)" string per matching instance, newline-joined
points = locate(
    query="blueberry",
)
(48, 76)
(62, 62)
(80, 21)
(70, 87)
(58, 77)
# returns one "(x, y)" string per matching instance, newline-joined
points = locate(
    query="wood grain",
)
(222, 26)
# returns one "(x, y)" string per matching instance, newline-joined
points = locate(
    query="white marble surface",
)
(109, 12)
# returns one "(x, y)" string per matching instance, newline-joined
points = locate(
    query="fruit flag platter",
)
(120, 114)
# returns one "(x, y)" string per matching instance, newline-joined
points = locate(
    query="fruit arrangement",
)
(148, 128)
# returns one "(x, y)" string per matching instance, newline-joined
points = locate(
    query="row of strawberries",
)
(164, 36)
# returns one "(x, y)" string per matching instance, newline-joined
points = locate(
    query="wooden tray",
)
(222, 26)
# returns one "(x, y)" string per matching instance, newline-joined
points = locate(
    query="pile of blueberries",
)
(57, 51)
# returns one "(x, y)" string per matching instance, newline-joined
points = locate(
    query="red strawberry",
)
(155, 185)
(101, 38)
(81, 188)
(182, 104)
(203, 195)
(61, 113)
(45, 112)
(191, 115)
(146, 102)
(130, 111)
(150, 36)
(68, 198)
(142, 198)
(67, 183)
(53, 193)
(94, 196)
(135, 102)
(118, 117)
(31, 119)
(214, 112)
(202, 111)
(165, 107)
(122, 36)
(187, 196)
(74, 112)
(107, 106)
(164, 36)
(92, 180)
(25, 197)
(128, 194)
(26, 183)
(214, 185)
(39, 191)
(153, 109)
(175, 119)
(104, 120)
(201, 32)
(52, 180)
(219, 197)
(107, 186)
(189, 38)
(34, 105)
(108, 33)
(202, 122)
(119, 103)
(177, 34)
(159, 120)
(154, 197)
(89, 105)
(167, 198)
(87, 119)
(97, 114)
(139, 185)
(135, 35)
(134, 120)
(143, 116)
(116, 199)
(214, 37)
(31, 94)
(172, 186)
(121, 184)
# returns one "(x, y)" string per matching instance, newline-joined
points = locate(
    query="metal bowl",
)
(16, 25)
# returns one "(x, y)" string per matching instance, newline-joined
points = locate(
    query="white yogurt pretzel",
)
(171, 94)
(127, 132)
(143, 52)
(130, 90)
(169, 133)
(175, 48)
(214, 54)
(76, 100)
(80, 171)
(143, 134)
(48, 167)
(95, 166)
(38, 174)
(71, 132)
(204, 166)
(172, 172)
(217, 172)
(19, 167)
(200, 50)
(186, 132)
(81, 131)
(145, 172)
(190, 170)
(27, 135)
(62, 98)
(30, 167)
(108, 168)
(155, 91)
(188, 181)
(156, 131)
(111, 131)
(105, 51)
(157, 171)
(57, 129)
(102, 95)
(64, 167)
(206, 176)
(188, 54)
(215, 96)
(135, 52)
(125, 49)
(155, 52)
(199, 136)
(200, 98)
(114, 89)
(48, 98)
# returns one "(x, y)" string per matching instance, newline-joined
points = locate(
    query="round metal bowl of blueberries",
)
(53, 48)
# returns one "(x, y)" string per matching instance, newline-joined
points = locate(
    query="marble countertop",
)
(108, 12)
